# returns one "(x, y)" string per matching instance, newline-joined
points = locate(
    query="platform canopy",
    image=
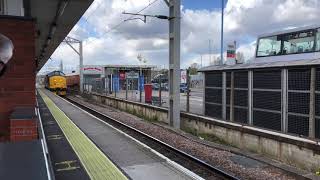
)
(54, 20)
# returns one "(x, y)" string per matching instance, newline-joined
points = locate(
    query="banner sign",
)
(122, 75)
(141, 83)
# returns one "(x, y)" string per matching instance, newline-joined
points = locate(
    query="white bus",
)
(294, 44)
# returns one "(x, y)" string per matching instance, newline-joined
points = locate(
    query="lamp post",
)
(144, 61)
(222, 18)
(174, 57)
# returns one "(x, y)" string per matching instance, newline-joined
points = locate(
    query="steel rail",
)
(182, 153)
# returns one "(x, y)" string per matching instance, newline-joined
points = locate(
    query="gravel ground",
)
(219, 158)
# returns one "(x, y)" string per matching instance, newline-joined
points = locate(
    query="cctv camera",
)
(6, 51)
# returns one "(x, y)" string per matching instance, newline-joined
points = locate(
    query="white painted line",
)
(170, 162)
(43, 142)
(45, 159)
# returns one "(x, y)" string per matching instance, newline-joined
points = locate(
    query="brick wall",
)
(17, 85)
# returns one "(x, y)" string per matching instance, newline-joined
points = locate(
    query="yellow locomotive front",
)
(56, 82)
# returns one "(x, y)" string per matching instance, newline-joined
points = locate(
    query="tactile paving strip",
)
(97, 165)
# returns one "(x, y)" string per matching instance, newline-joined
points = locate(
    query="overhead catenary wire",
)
(119, 24)
(86, 19)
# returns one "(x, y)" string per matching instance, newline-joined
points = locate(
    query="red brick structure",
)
(23, 124)
(17, 84)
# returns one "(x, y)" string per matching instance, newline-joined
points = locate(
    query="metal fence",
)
(279, 99)
(160, 94)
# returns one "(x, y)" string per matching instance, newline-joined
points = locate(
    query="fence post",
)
(250, 96)
(160, 91)
(312, 103)
(126, 88)
(188, 91)
(224, 95)
(284, 83)
(232, 97)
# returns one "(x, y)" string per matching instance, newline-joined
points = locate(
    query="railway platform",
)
(30, 163)
(96, 150)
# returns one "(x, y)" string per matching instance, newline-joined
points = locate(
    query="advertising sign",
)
(231, 54)
(184, 76)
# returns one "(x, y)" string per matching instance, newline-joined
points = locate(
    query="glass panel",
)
(318, 40)
(269, 46)
(300, 42)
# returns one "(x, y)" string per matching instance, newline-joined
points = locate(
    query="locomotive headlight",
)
(6, 51)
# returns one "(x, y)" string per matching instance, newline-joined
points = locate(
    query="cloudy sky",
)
(200, 23)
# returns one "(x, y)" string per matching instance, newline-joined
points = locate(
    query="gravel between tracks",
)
(216, 157)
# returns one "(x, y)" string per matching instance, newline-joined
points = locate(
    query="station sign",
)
(93, 70)
(132, 75)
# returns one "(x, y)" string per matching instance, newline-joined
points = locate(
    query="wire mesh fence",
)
(279, 99)
(129, 90)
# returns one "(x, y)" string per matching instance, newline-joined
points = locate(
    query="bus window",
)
(318, 40)
(269, 46)
(300, 42)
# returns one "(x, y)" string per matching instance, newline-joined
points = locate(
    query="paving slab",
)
(22, 160)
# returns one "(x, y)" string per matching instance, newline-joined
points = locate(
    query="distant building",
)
(115, 77)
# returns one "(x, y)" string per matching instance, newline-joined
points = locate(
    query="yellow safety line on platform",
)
(97, 165)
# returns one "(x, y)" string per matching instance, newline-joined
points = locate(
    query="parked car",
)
(160, 77)
(183, 88)
(165, 86)
(155, 86)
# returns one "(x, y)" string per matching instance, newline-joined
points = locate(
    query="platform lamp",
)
(144, 61)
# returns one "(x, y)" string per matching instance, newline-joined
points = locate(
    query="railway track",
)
(188, 161)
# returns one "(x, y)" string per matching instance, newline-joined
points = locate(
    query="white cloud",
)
(244, 20)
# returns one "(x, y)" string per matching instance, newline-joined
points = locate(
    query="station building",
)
(279, 91)
(112, 78)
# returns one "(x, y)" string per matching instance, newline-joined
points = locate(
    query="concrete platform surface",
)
(22, 160)
(135, 160)
(98, 166)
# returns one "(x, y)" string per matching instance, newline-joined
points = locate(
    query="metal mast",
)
(70, 41)
(174, 62)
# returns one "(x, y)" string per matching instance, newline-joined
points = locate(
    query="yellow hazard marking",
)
(54, 137)
(69, 166)
(96, 163)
